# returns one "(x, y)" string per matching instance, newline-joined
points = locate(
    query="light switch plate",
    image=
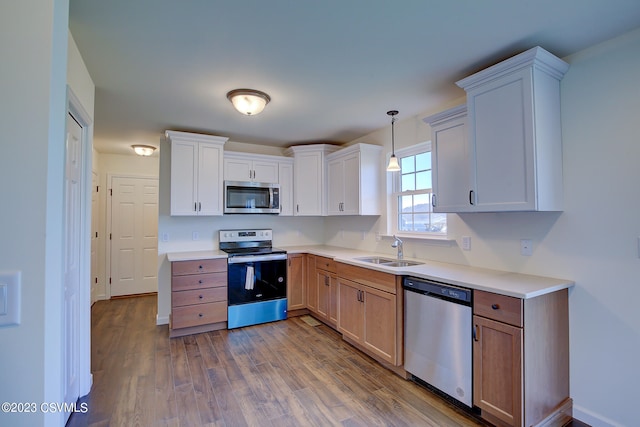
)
(10, 296)
(466, 243)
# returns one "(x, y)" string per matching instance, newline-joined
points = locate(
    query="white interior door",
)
(134, 235)
(94, 237)
(73, 226)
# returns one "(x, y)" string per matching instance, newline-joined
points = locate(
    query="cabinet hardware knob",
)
(200, 315)
(200, 296)
(495, 306)
(200, 282)
(200, 267)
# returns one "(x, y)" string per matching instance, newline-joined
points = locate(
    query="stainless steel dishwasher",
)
(438, 336)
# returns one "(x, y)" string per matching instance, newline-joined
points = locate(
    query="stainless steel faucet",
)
(398, 244)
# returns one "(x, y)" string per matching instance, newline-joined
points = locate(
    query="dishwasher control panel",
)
(437, 289)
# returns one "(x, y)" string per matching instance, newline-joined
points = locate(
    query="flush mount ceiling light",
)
(143, 150)
(393, 160)
(248, 101)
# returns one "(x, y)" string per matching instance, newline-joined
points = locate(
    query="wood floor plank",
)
(281, 374)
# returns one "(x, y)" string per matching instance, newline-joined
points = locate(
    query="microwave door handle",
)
(270, 197)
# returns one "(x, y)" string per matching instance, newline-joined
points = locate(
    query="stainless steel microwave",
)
(243, 197)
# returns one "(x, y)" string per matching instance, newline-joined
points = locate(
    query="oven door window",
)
(257, 281)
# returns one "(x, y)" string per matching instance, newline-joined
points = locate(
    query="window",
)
(412, 188)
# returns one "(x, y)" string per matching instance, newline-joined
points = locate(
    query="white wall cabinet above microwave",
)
(353, 175)
(196, 174)
(247, 167)
(514, 136)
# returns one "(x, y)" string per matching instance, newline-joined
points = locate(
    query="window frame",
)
(395, 192)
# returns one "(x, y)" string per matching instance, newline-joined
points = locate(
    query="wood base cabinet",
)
(370, 313)
(322, 298)
(198, 296)
(296, 286)
(521, 359)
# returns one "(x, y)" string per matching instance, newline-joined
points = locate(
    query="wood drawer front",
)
(376, 279)
(200, 314)
(324, 263)
(180, 268)
(198, 296)
(498, 307)
(199, 281)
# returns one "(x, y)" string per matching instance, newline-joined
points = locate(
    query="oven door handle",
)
(256, 258)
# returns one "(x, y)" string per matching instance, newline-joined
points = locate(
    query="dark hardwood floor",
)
(278, 374)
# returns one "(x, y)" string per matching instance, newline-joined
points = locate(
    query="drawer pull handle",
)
(200, 315)
(495, 306)
(476, 335)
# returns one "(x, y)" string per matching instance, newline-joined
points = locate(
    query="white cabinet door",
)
(210, 180)
(335, 190)
(451, 162)
(500, 114)
(265, 171)
(238, 169)
(184, 166)
(351, 185)
(285, 174)
(308, 183)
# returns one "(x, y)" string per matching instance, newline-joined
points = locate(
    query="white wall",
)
(593, 242)
(33, 47)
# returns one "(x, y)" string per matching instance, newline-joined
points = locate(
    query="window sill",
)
(431, 239)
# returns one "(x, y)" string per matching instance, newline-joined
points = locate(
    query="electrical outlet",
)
(364, 235)
(378, 237)
(165, 237)
(466, 243)
(526, 247)
(195, 235)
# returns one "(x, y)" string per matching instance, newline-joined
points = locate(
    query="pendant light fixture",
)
(393, 160)
(248, 101)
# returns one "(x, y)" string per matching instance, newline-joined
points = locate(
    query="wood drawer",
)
(365, 276)
(498, 307)
(200, 314)
(199, 281)
(198, 296)
(180, 268)
(324, 263)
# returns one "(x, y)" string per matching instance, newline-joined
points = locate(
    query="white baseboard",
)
(591, 418)
(162, 320)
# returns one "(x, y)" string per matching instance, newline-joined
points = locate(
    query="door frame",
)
(110, 177)
(80, 114)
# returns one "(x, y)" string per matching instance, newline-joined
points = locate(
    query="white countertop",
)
(501, 282)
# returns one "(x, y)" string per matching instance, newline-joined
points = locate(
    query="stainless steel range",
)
(257, 277)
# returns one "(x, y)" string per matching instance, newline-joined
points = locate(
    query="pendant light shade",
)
(248, 101)
(393, 160)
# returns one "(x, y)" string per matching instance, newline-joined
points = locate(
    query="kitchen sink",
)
(388, 262)
(376, 260)
(401, 263)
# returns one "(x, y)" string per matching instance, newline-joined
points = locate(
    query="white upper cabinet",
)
(354, 180)
(196, 173)
(247, 167)
(514, 135)
(450, 160)
(309, 178)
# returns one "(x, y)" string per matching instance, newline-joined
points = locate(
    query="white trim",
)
(80, 114)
